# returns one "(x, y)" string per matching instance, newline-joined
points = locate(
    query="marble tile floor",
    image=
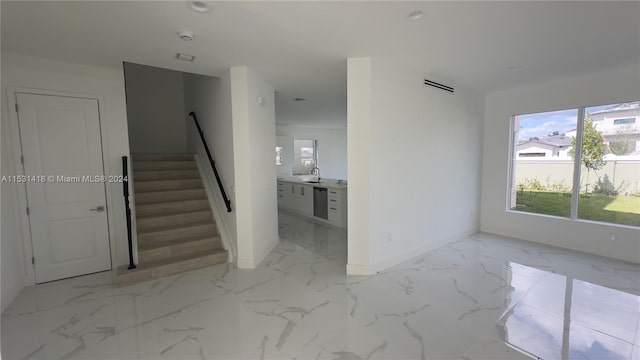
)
(484, 297)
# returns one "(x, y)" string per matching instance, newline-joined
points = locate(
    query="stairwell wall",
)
(210, 99)
(155, 109)
(240, 132)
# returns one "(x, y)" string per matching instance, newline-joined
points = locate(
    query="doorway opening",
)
(311, 163)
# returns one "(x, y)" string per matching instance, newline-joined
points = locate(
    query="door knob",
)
(98, 209)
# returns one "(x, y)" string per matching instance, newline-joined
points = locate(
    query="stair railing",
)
(127, 208)
(212, 162)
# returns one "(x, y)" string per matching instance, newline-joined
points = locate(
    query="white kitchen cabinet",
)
(281, 195)
(286, 195)
(298, 197)
(304, 199)
(337, 202)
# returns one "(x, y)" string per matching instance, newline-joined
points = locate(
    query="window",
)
(535, 154)
(541, 182)
(582, 169)
(627, 121)
(279, 155)
(305, 156)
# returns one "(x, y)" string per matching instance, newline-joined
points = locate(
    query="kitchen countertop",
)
(325, 183)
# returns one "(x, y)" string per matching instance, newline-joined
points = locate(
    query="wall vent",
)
(185, 57)
(438, 85)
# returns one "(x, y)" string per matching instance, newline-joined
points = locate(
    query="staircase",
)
(175, 226)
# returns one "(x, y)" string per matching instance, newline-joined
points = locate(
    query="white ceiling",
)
(301, 47)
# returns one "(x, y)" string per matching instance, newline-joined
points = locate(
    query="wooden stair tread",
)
(147, 181)
(176, 227)
(168, 243)
(161, 157)
(171, 207)
(155, 185)
(161, 204)
(176, 214)
(152, 264)
(171, 191)
(165, 165)
(171, 266)
(170, 202)
(162, 170)
(153, 197)
(175, 174)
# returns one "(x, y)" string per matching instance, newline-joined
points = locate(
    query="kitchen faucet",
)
(316, 171)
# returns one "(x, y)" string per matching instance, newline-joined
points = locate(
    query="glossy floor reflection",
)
(563, 317)
(483, 297)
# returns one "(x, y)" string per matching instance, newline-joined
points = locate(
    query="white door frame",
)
(27, 248)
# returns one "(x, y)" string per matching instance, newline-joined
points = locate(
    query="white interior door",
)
(60, 137)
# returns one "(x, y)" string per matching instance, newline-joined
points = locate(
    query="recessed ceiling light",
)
(416, 15)
(198, 6)
(186, 35)
(298, 99)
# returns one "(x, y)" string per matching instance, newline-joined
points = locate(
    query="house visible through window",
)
(578, 163)
(624, 121)
(542, 161)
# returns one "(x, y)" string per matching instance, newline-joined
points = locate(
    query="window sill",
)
(555, 217)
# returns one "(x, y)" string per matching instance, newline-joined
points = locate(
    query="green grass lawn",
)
(613, 209)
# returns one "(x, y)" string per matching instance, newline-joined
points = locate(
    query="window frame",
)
(511, 189)
(314, 157)
(279, 156)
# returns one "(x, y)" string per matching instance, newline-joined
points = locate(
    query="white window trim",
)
(577, 164)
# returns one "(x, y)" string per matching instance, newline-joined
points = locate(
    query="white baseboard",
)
(364, 270)
(252, 263)
(8, 295)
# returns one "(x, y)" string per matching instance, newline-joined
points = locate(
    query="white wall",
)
(359, 125)
(422, 149)
(155, 110)
(108, 84)
(13, 273)
(255, 169)
(210, 99)
(332, 148)
(606, 87)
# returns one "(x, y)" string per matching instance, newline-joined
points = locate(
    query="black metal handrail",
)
(127, 209)
(212, 162)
